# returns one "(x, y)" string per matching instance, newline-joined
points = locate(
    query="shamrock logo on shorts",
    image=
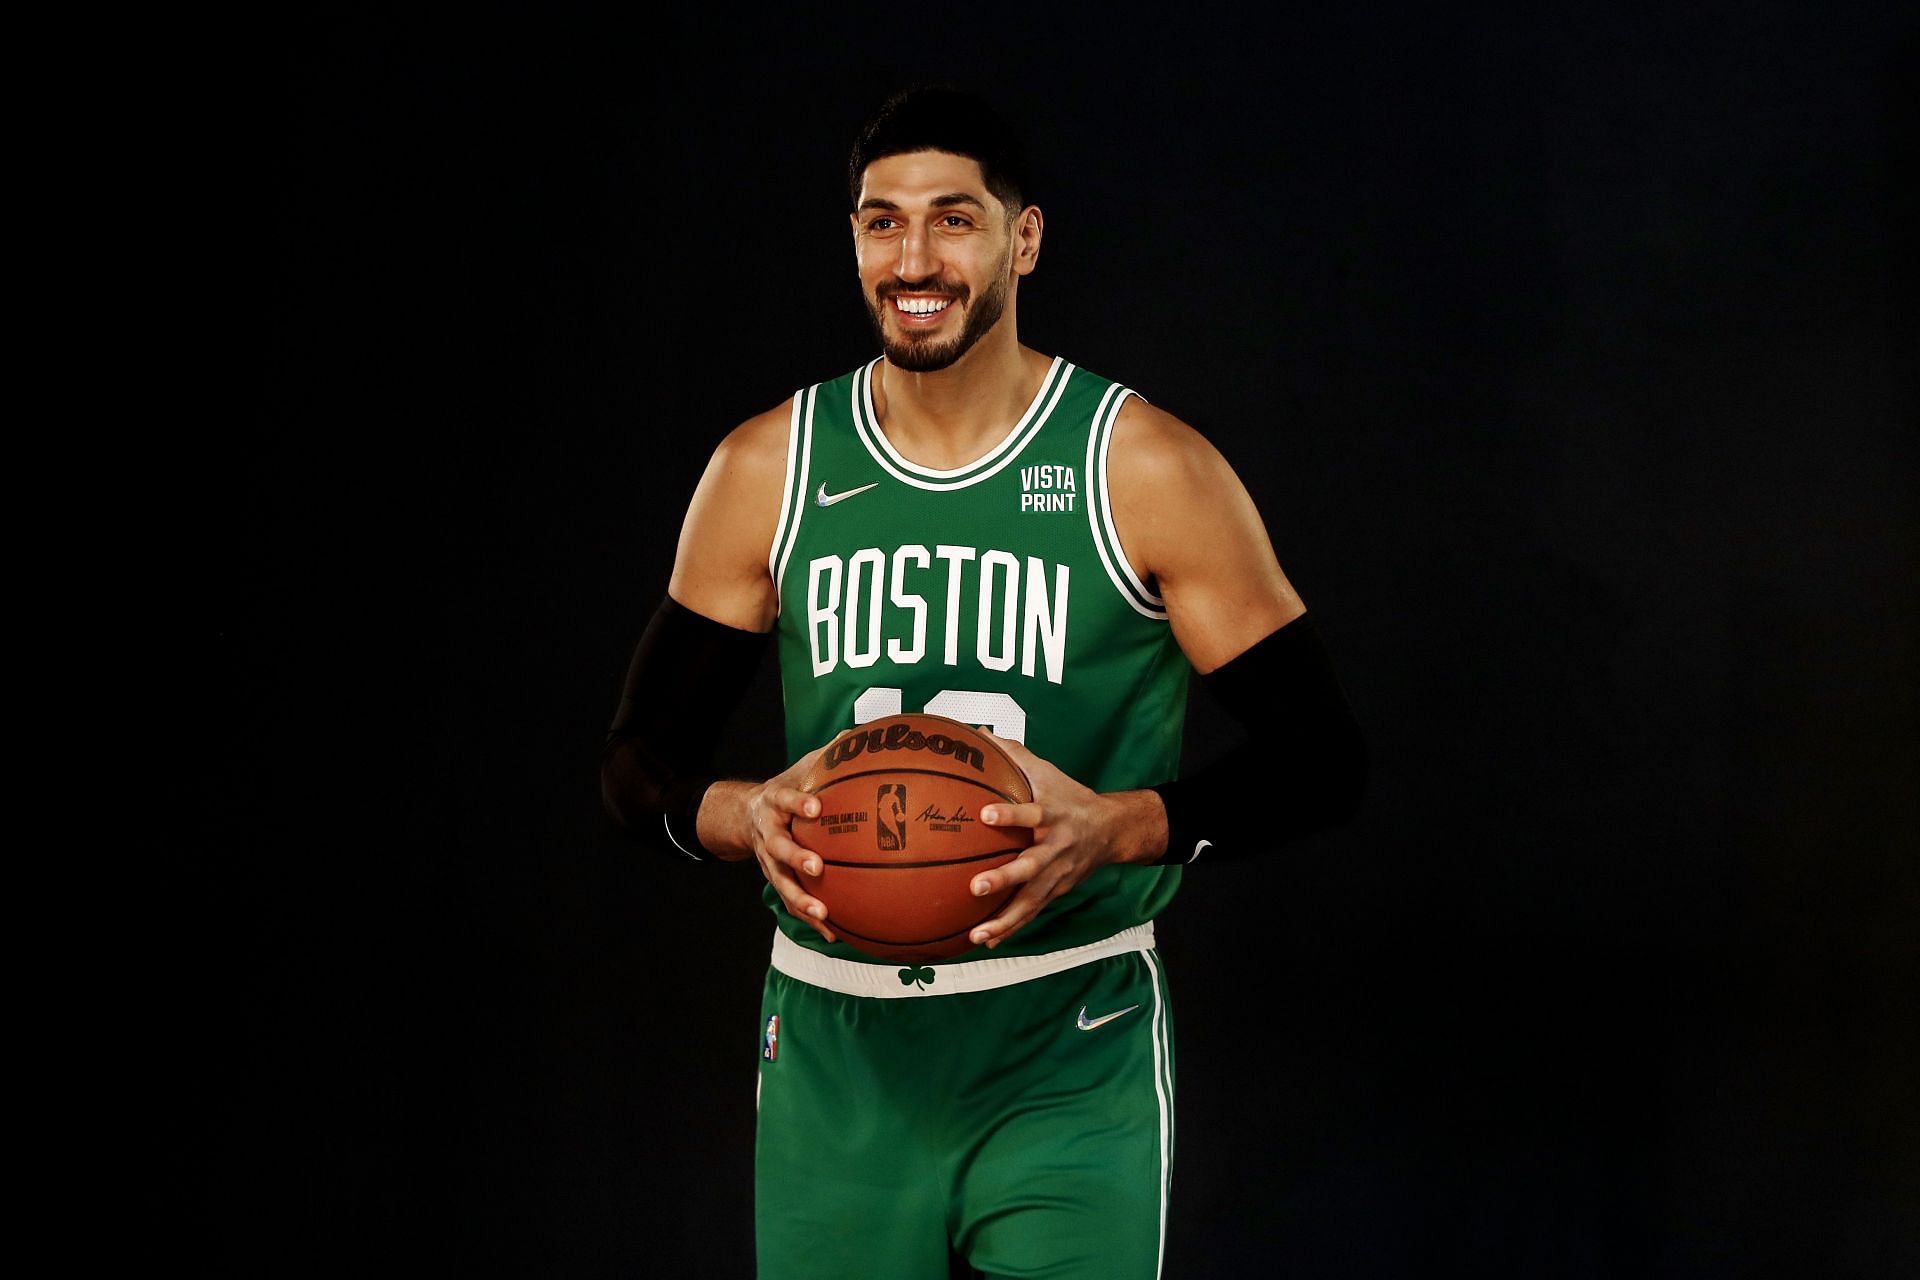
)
(920, 976)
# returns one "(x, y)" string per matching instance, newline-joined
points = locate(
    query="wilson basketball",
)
(899, 833)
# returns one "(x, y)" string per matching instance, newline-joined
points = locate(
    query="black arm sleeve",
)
(1303, 760)
(686, 678)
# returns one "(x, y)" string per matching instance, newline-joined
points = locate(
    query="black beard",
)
(926, 356)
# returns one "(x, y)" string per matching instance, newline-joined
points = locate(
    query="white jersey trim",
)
(885, 981)
(866, 424)
(786, 486)
(793, 501)
(1106, 537)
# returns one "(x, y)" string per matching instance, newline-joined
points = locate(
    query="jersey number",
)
(997, 711)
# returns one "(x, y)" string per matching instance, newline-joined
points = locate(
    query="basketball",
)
(899, 833)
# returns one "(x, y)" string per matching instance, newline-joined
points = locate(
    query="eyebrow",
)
(947, 201)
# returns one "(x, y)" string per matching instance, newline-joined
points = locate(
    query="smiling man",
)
(920, 340)
(971, 528)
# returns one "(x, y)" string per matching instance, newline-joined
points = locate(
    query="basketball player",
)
(968, 527)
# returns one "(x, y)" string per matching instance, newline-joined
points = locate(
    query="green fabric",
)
(1074, 657)
(893, 1133)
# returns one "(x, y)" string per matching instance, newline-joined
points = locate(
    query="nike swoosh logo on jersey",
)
(1087, 1024)
(826, 499)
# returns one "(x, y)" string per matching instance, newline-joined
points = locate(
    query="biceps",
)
(737, 600)
(716, 575)
(720, 569)
(1224, 588)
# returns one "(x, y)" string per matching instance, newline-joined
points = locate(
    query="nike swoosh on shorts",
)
(1087, 1024)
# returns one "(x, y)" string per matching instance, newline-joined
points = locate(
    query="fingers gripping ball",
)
(900, 837)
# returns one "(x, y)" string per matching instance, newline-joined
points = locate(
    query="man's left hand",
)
(1076, 831)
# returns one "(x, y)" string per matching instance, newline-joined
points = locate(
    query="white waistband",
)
(892, 981)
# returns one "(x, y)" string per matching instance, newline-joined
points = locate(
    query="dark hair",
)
(950, 119)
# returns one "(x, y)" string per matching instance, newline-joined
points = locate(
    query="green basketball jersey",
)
(996, 594)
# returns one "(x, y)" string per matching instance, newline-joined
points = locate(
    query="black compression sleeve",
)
(1302, 767)
(686, 678)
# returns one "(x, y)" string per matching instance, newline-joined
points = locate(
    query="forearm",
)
(724, 824)
(1138, 826)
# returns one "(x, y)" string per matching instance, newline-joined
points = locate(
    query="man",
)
(967, 527)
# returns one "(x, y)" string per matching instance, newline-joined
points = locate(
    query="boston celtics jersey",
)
(995, 593)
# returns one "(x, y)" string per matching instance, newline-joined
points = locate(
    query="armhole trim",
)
(793, 492)
(1106, 538)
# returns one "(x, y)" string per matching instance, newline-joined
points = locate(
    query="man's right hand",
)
(740, 818)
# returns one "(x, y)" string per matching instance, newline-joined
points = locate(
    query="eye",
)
(881, 223)
(953, 219)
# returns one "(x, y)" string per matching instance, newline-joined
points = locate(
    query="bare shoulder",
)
(1152, 448)
(1163, 477)
(1187, 522)
(756, 450)
(720, 569)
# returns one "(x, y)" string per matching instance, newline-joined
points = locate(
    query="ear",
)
(1027, 228)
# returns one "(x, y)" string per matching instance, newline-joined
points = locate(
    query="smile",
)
(921, 306)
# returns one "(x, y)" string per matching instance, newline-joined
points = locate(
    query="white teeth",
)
(922, 306)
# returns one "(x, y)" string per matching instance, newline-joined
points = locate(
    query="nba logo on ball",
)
(890, 812)
(770, 1040)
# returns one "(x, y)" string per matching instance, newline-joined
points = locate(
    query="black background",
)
(1569, 355)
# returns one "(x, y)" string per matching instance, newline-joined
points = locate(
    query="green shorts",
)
(1009, 1116)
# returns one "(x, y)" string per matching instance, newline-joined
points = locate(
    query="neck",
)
(951, 416)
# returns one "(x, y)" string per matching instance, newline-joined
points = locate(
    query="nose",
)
(918, 260)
